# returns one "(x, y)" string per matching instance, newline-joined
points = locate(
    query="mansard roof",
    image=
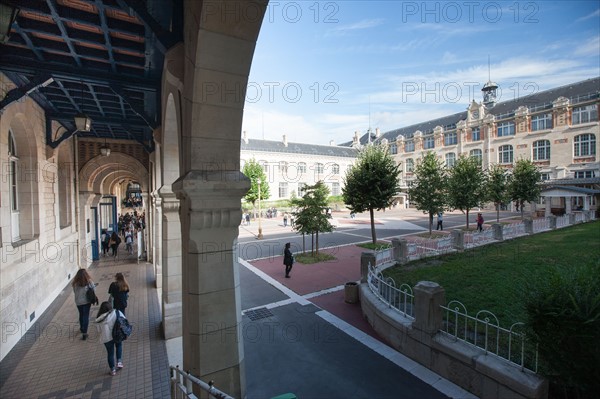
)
(298, 148)
(575, 92)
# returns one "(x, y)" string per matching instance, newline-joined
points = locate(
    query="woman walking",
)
(119, 290)
(81, 284)
(288, 260)
(114, 242)
(106, 318)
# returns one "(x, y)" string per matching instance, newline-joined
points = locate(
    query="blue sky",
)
(323, 70)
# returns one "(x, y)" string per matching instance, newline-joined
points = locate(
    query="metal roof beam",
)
(57, 19)
(164, 38)
(118, 90)
(21, 65)
(107, 121)
(105, 30)
(20, 92)
(49, 136)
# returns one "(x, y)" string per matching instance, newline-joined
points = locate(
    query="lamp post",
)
(260, 234)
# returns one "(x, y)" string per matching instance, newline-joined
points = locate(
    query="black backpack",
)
(122, 329)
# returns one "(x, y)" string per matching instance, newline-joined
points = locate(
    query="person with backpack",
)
(119, 291)
(129, 241)
(105, 320)
(82, 283)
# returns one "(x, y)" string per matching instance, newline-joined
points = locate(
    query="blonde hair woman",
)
(82, 282)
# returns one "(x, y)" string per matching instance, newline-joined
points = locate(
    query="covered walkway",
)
(51, 360)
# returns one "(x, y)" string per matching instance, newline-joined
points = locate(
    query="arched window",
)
(584, 145)
(505, 154)
(13, 170)
(541, 150)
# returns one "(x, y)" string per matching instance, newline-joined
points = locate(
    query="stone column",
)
(171, 264)
(158, 244)
(429, 296)
(571, 218)
(568, 205)
(211, 311)
(366, 259)
(498, 232)
(548, 209)
(458, 239)
(528, 226)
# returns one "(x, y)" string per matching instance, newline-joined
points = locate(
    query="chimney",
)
(245, 137)
(285, 140)
(331, 143)
(377, 132)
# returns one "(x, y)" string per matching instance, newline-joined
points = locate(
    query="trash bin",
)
(351, 292)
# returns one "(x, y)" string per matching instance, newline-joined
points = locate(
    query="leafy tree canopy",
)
(428, 193)
(255, 172)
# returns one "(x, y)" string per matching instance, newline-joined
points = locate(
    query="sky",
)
(325, 69)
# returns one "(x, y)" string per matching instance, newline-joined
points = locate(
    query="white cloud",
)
(594, 14)
(590, 47)
(360, 25)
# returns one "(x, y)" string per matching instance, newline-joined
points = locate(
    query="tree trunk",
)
(303, 244)
(430, 223)
(373, 234)
(312, 244)
(467, 219)
(317, 243)
(497, 213)
(522, 214)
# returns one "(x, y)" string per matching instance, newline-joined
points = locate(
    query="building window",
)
(393, 149)
(301, 167)
(545, 176)
(301, 189)
(335, 188)
(506, 129)
(584, 174)
(588, 113)
(450, 159)
(410, 165)
(477, 154)
(335, 169)
(13, 160)
(283, 190)
(428, 142)
(505, 154)
(541, 150)
(541, 122)
(283, 167)
(475, 134)
(319, 168)
(584, 145)
(450, 138)
(409, 146)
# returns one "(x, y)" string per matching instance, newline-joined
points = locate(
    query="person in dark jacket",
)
(288, 260)
(119, 290)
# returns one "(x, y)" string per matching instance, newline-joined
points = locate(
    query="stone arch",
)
(170, 135)
(93, 174)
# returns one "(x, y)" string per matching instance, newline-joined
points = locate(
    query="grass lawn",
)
(375, 247)
(493, 277)
(309, 259)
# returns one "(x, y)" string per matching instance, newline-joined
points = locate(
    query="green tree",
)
(372, 182)
(525, 183)
(428, 192)
(497, 187)
(311, 217)
(255, 172)
(466, 185)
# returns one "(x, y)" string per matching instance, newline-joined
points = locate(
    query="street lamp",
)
(260, 234)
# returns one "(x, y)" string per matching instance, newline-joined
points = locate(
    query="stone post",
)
(458, 239)
(571, 218)
(158, 244)
(396, 250)
(429, 296)
(171, 264)
(498, 230)
(587, 215)
(528, 226)
(211, 311)
(548, 207)
(552, 222)
(366, 259)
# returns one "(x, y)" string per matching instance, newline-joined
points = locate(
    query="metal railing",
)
(421, 247)
(513, 230)
(182, 385)
(399, 298)
(384, 256)
(477, 238)
(483, 331)
(562, 221)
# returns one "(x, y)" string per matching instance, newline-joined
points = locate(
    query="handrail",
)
(182, 385)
